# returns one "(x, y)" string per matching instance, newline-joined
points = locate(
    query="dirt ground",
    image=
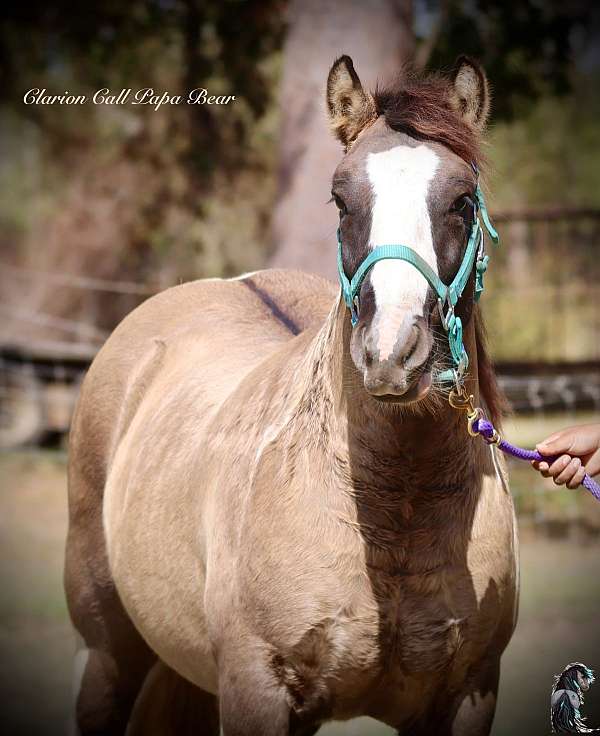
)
(559, 618)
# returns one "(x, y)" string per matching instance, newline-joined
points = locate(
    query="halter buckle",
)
(460, 369)
(445, 318)
(354, 307)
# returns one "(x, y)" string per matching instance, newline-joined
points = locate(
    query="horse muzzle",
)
(394, 370)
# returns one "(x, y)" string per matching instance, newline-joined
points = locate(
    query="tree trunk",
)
(379, 37)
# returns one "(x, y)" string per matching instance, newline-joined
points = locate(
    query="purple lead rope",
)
(486, 429)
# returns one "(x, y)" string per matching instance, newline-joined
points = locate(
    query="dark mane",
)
(420, 106)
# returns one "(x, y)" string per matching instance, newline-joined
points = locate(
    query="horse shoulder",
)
(292, 540)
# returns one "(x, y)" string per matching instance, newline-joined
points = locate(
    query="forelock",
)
(419, 105)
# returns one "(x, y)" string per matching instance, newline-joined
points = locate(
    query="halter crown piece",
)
(448, 296)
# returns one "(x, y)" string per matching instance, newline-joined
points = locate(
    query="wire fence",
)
(544, 285)
(540, 306)
(75, 281)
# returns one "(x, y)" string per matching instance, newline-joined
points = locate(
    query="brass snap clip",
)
(460, 399)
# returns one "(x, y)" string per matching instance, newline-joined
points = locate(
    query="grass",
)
(36, 640)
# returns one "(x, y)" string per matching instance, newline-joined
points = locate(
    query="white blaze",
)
(400, 179)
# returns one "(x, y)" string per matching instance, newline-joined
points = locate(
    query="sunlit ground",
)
(560, 596)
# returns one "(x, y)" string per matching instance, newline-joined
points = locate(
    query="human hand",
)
(577, 452)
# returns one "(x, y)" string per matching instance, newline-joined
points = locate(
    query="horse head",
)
(409, 178)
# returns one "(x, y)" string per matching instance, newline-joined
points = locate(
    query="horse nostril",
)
(368, 358)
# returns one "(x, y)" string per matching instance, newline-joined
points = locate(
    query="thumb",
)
(579, 440)
(554, 444)
(561, 442)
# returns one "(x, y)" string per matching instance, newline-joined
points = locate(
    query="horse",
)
(276, 519)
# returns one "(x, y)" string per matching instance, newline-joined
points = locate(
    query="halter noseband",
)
(448, 296)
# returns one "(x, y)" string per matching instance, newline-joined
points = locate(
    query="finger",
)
(593, 463)
(559, 465)
(569, 472)
(543, 467)
(577, 479)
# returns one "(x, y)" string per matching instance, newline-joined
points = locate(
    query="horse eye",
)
(461, 204)
(339, 203)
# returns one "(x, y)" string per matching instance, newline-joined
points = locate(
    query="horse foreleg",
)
(468, 712)
(114, 663)
(472, 711)
(305, 730)
(169, 705)
(252, 702)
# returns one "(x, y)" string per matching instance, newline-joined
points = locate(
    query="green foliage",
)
(127, 191)
(526, 46)
(187, 191)
(550, 157)
(551, 154)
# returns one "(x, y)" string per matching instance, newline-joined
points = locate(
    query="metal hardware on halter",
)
(458, 398)
(472, 417)
(460, 369)
(445, 317)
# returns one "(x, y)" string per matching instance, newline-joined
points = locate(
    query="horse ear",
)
(469, 93)
(350, 107)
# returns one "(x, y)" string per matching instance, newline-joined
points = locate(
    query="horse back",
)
(249, 316)
(210, 332)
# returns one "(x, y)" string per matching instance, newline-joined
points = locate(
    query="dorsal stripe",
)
(268, 301)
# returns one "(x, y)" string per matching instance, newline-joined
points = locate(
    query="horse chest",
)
(422, 619)
(379, 638)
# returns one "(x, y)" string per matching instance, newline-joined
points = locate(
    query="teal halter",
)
(448, 296)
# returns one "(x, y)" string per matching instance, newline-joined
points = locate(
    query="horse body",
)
(193, 374)
(276, 518)
(248, 506)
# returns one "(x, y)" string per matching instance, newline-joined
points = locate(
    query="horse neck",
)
(426, 443)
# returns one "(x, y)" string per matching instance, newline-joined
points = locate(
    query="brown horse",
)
(276, 519)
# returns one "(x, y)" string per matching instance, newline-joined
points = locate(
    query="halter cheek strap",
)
(448, 296)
